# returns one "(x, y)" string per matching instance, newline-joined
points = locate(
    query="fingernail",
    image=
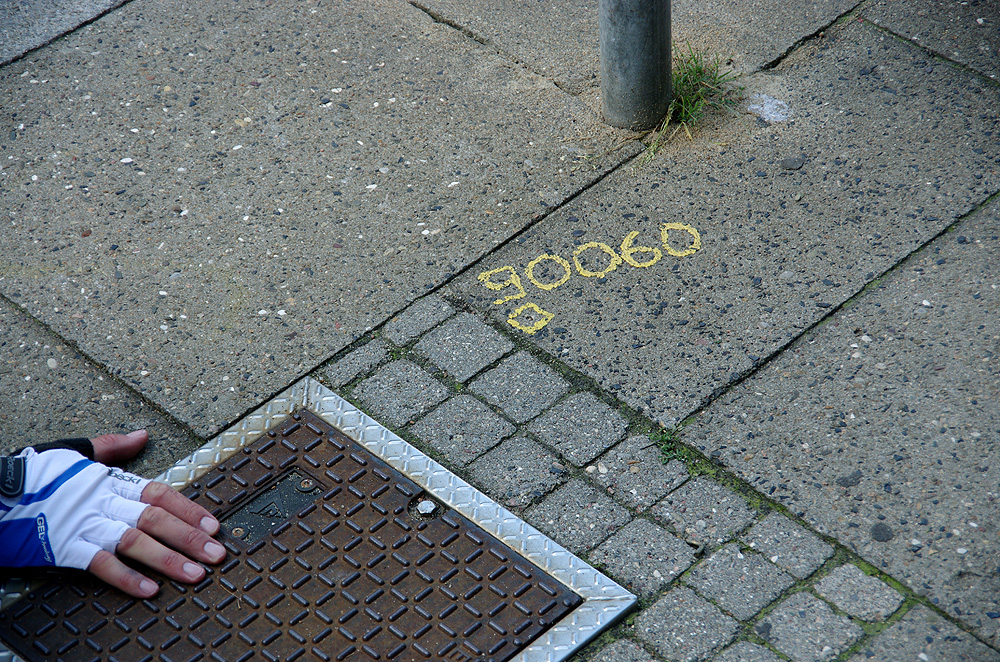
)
(214, 549)
(148, 587)
(209, 525)
(192, 570)
(135, 434)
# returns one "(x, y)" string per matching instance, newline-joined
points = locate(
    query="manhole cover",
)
(345, 543)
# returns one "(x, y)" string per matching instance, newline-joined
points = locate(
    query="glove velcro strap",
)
(11, 476)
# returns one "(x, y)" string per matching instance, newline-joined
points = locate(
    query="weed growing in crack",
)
(699, 85)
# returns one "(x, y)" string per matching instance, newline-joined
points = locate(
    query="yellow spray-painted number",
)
(530, 272)
(665, 239)
(512, 281)
(506, 276)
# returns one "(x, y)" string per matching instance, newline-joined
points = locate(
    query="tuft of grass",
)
(700, 84)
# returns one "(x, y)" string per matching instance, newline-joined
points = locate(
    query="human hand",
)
(74, 513)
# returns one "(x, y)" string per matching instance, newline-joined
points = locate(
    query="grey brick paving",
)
(577, 516)
(399, 392)
(644, 556)
(804, 628)
(418, 318)
(581, 427)
(923, 636)
(745, 651)
(684, 627)
(463, 346)
(634, 471)
(462, 429)
(861, 596)
(521, 386)
(359, 361)
(517, 472)
(740, 582)
(623, 650)
(789, 545)
(704, 511)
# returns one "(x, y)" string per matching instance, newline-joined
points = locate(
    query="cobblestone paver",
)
(581, 427)
(740, 582)
(462, 429)
(399, 392)
(789, 545)
(578, 516)
(704, 511)
(861, 596)
(623, 650)
(634, 472)
(804, 628)
(517, 472)
(424, 314)
(683, 626)
(707, 569)
(745, 651)
(463, 346)
(646, 556)
(521, 386)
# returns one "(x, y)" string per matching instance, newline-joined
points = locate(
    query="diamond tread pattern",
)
(355, 575)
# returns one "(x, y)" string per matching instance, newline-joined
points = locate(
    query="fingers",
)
(162, 496)
(177, 534)
(115, 448)
(106, 567)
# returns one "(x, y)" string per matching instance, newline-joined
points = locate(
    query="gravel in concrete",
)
(521, 386)
(742, 583)
(421, 316)
(804, 628)
(878, 428)
(577, 516)
(28, 24)
(338, 186)
(704, 511)
(745, 651)
(682, 626)
(779, 248)
(462, 429)
(361, 360)
(860, 595)
(635, 472)
(623, 650)
(399, 392)
(463, 346)
(923, 635)
(581, 427)
(52, 392)
(644, 556)
(517, 472)
(788, 545)
(966, 32)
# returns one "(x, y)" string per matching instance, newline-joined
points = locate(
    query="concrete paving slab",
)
(860, 595)
(577, 516)
(880, 428)
(923, 635)
(755, 251)
(788, 545)
(681, 626)
(51, 391)
(199, 192)
(635, 472)
(462, 429)
(745, 651)
(560, 40)
(740, 582)
(517, 472)
(966, 32)
(623, 650)
(28, 24)
(644, 556)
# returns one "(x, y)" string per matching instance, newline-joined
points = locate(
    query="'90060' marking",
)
(640, 257)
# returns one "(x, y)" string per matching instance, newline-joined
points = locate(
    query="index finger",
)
(172, 501)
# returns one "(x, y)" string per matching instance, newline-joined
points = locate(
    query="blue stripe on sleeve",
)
(50, 489)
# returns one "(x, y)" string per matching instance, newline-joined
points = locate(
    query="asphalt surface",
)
(204, 202)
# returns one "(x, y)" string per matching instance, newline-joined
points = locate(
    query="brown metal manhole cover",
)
(333, 555)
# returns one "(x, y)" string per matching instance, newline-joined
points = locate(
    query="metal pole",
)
(635, 62)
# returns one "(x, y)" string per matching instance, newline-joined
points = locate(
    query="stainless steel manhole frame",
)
(604, 600)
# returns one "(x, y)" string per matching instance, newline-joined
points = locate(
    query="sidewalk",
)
(208, 201)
